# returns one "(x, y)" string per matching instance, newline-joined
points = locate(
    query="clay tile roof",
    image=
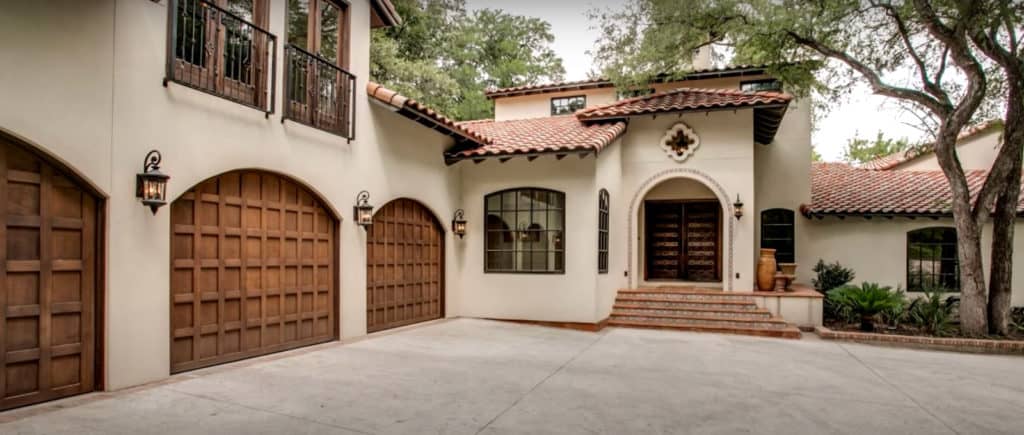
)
(683, 99)
(422, 114)
(895, 159)
(841, 189)
(602, 82)
(555, 134)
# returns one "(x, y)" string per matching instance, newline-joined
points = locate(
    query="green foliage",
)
(830, 276)
(815, 155)
(932, 313)
(1017, 320)
(446, 57)
(867, 301)
(860, 150)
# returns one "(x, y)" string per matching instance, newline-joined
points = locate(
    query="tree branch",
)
(904, 33)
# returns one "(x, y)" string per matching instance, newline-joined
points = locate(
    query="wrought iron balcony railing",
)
(214, 50)
(319, 93)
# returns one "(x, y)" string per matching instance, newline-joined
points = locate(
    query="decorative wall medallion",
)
(680, 142)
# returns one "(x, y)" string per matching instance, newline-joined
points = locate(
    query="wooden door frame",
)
(721, 221)
(99, 250)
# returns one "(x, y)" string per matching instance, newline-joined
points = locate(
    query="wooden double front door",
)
(253, 263)
(683, 240)
(404, 266)
(48, 280)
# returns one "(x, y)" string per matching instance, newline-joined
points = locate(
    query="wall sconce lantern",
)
(363, 210)
(738, 207)
(151, 184)
(459, 223)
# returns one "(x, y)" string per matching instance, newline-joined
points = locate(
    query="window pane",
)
(932, 262)
(298, 23)
(493, 203)
(191, 32)
(330, 19)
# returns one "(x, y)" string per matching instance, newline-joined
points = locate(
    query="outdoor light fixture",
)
(151, 184)
(738, 207)
(363, 209)
(459, 223)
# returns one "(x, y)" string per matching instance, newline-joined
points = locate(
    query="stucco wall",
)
(568, 297)
(975, 153)
(83, 80)
(876, 249)
(609, 176)
(539, 105)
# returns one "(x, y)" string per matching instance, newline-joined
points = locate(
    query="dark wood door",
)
(683, 240)
(252, 270)
(48, 293)
(404, 266)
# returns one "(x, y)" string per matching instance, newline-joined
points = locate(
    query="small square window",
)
(568, 105)
(771, 85)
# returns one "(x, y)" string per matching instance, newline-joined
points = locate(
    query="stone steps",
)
(693, 309)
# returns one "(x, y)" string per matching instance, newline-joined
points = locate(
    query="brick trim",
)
(968, 345)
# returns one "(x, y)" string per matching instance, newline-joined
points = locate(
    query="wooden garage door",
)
(253, 270)
(47, 299)
(405, 266)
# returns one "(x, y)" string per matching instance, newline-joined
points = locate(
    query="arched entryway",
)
(404, 266)
(50, 265)
(253, 269)
(681, 231)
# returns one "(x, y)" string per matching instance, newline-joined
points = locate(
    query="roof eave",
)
(386, 12)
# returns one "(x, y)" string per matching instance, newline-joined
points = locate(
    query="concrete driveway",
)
(473, 376)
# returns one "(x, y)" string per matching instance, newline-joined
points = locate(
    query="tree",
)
(860, 150)
(815, 155)
(447, 58)
(933, 56)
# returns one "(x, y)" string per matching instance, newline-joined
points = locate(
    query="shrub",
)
(1017, 320)
(932, 313)
(897, 313)
(866, 301)
(830, 276)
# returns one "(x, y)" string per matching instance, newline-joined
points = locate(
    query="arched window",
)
(603, 205)
(932, 262)
(777, 234)
(525, 231)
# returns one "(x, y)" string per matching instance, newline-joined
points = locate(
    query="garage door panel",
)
(47, 227)
(404, 254)
(259, 270)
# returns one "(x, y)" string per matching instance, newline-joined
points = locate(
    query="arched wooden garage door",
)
(404, 266)
(48, 290)
(253, 270)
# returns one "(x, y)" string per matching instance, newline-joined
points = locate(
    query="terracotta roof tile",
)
(898, 158)
(538, 136)
(838, 188)
(683, 99)
(419, 112)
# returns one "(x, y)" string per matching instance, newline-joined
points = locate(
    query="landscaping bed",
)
(996, 345)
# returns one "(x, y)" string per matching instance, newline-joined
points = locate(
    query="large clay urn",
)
(766, 270)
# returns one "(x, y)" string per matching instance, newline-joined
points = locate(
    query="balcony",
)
(318, 93)
(213, 50)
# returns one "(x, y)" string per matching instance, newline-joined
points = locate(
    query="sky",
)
(861, 115)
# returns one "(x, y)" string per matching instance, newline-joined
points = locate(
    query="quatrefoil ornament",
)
(680, 142)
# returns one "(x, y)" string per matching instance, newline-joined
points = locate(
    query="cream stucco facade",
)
(82, 85)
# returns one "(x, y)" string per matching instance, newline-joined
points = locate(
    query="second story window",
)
(761, 85)
(568, 105)
(319, 92)
(222, 47)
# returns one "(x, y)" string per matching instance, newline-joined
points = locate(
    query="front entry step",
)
(692, 309)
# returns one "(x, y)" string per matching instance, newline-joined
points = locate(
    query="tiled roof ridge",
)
(670, 92)
(399, 101)
(495, 121)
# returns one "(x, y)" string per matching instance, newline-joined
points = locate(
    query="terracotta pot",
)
(787, 268)
(766, 270)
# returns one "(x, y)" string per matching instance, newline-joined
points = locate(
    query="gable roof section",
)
(424, 115)
(769, 106)
(893, 160)
(727, 71)
(840, 189)
(559, 135)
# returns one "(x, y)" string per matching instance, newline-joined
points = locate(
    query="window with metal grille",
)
(568, 105)
(777, 234)
(603, 205)
(932, 262)
(525, 231)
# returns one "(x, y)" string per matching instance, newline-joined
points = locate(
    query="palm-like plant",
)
(933, 313)
(866, 301)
